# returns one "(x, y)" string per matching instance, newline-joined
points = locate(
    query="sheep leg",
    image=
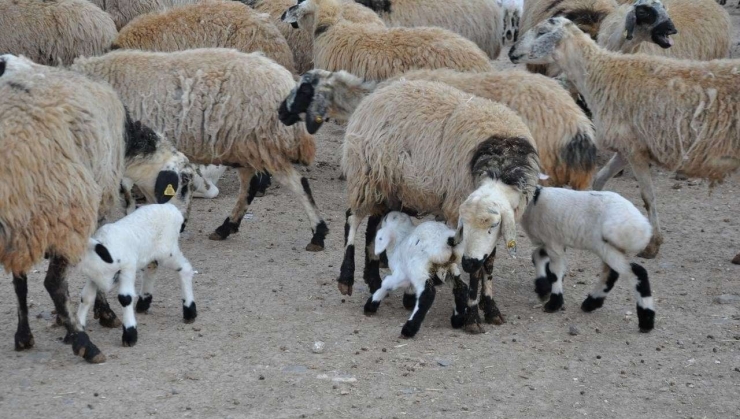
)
(149, 277)
(103, 312)
(409, 298)
(56, 285)
(491, 313)
(23, 336)
(545, 278)
(391, 282)
(260, 181)
(614, 166)
(246, 195)
(347, 271)
(472, 318)
(460, 291)
(645, 307)
(126, 294)
(557, 264)
(597, 296)
(371, 273)
(129, 203)
(424, 300)
(87, 299)
(299, 185)
(178, 262)
(641, 168)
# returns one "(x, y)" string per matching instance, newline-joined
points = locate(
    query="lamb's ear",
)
(383, 238)
(100, 250)
(630, 23)
(166, 185)
(459, 232)
(508, 229)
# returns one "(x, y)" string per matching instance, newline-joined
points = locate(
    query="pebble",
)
(598, 330)
(736, 259)
(573, 331)
(727, 299)
(318, 347)
(677, 186)
(444, 362)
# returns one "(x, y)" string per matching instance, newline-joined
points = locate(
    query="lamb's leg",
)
(472, 318)
(347, 271)
(103, 312)
(260, 182)
(545, 277)
(299, 185)
(390, 283)
(557, 264)
(460, 291)
(23, 336)
(56, 285)
(424, 300)
(614, 166)
(645, 308)
(178, 262)
(409, 298)
(149, 277)
(491, 313)
(87, 299)
(246, 195)
(597, 296)
(371, 273)
(126, 294)
(641, 168)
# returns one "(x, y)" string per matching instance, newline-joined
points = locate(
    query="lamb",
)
(62, 148)
(54, 32)
(603, 223)
(210, 24)
(190, 96)
(420, 257)
(480, 21)
(375, 53)
(301, 42)
(117, 250)
(124, 11)
(428, 148)
(680, 115)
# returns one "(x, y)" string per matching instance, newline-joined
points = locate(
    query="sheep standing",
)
(427, 148)
(604, 223)
(680, 115)
(211, 24)
(54, 32)
(480, 21)
(218, 106)
(376, 53)
(62, 152)
(418, 256)
(118, 250)
(124, 11)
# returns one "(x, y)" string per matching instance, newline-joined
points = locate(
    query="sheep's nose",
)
(471, 265)
(513, 57)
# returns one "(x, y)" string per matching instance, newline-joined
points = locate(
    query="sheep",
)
(211, 174)
(191, 97)
(563, 133)
(301, 42)
(603, 223)
(117, 250)
(62, 148)
(376, 53)
(123, 11)
(512, 15)
(420, 257)
(54, 32)
(680, 115)
(428, 148)
(480, 21)
(211, 24)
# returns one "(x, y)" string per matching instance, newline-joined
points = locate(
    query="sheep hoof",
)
(495, 319)
(457, 320)
(409, 330)
(68, 338)
(472, 322)
(371, 307)
(555, 304)
(82, 346)
(215, 236)
(189, 313)
(313, 247)
(143, 303)
(646, 318)
(130, 336)
(590, 304)
(110, 322)
(345, 289)
(474, 329)
(24, 341)
(543, 287)
(409, 301)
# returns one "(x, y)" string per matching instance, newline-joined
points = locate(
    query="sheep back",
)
(123, 11)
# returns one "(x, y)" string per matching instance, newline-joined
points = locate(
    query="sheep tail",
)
(579, 156)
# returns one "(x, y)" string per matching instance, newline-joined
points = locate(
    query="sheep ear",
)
(383, 239)
(459, 232)
(166, 186)
(103, 253)
(630, 23)
(508, 226)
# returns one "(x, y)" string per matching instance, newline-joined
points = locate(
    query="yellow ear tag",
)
(511, 244)
(169, 190)
(318, 119)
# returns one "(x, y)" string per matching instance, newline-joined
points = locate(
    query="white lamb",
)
(421, 257)
(118, 250)
(603, 223)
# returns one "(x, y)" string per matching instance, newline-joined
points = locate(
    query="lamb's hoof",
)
(259, 194)
(371, 307)
(69, 338)
(543, 287)
(474, 329)
(495, 319)
(81, 346)
(457, 320)
(143, 304)
(409, 330)
(130, 336)
(555, 303)
(111, 322)
(646, 318)
(472, 322)
(217, 237)
(409, 301)
(736, 259)
(24, 341)
(590, 304)
(313, 247)
(345, 289)
(189, 313)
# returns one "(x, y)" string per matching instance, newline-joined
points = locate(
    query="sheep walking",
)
(124, 11)
(118, 250)
(219, 107)
(54, 32)
(604, 223)
(680, 115)
(376, 53)
(419, 257)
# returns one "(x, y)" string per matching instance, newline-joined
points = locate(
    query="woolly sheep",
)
(420, 257)
(54, 32)
(218, 107)
(62, 148)
(211, 24)
(480, 21)
(376, 53)
(603, 223)
(124, 11)
(680, 115)
(118, 250)
(428, 148)
(301, 42)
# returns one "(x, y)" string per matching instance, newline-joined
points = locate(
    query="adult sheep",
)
(377, 53)
(680, 115)
(219, 107)
(124, 11)
(480, 21)
(54, 32)
(211, 24)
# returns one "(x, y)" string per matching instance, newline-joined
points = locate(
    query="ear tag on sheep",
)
(169, 190)
(319, 119)
(511, 247)
(542, 176)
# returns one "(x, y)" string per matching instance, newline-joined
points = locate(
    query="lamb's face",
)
(97, 264)
(539, 44)
(650, 20)
(301, 15)
(479, 228)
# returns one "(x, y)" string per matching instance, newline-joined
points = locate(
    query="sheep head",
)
(540, 44)
(649, 17)
(301, 15)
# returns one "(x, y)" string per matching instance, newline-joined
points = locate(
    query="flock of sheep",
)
(98, 97)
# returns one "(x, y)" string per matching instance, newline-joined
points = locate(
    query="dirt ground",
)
(263, 301)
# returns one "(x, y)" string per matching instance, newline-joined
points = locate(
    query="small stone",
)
(344, 392)
(444, 362)
(384, 350)
(261, 377)
(318, 347)
(582, 392)
(727, 299)
(598, 356)
(356, 331)
(95, 394)
(680, 176)
(737, 369)
(573, 331)
(677, 186)
(715, 350)
(598, 330)
(710, 337)
(736, 259)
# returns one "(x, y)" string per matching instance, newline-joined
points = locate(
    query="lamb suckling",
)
(421, 257)
(117, 251)
(603, 223)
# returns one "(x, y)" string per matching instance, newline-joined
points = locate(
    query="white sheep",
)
(603, 223)
(419, 257)
(117, 251)
(123, 11)
(680, 115)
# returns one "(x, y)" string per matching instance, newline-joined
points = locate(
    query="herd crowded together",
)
(99, 96)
